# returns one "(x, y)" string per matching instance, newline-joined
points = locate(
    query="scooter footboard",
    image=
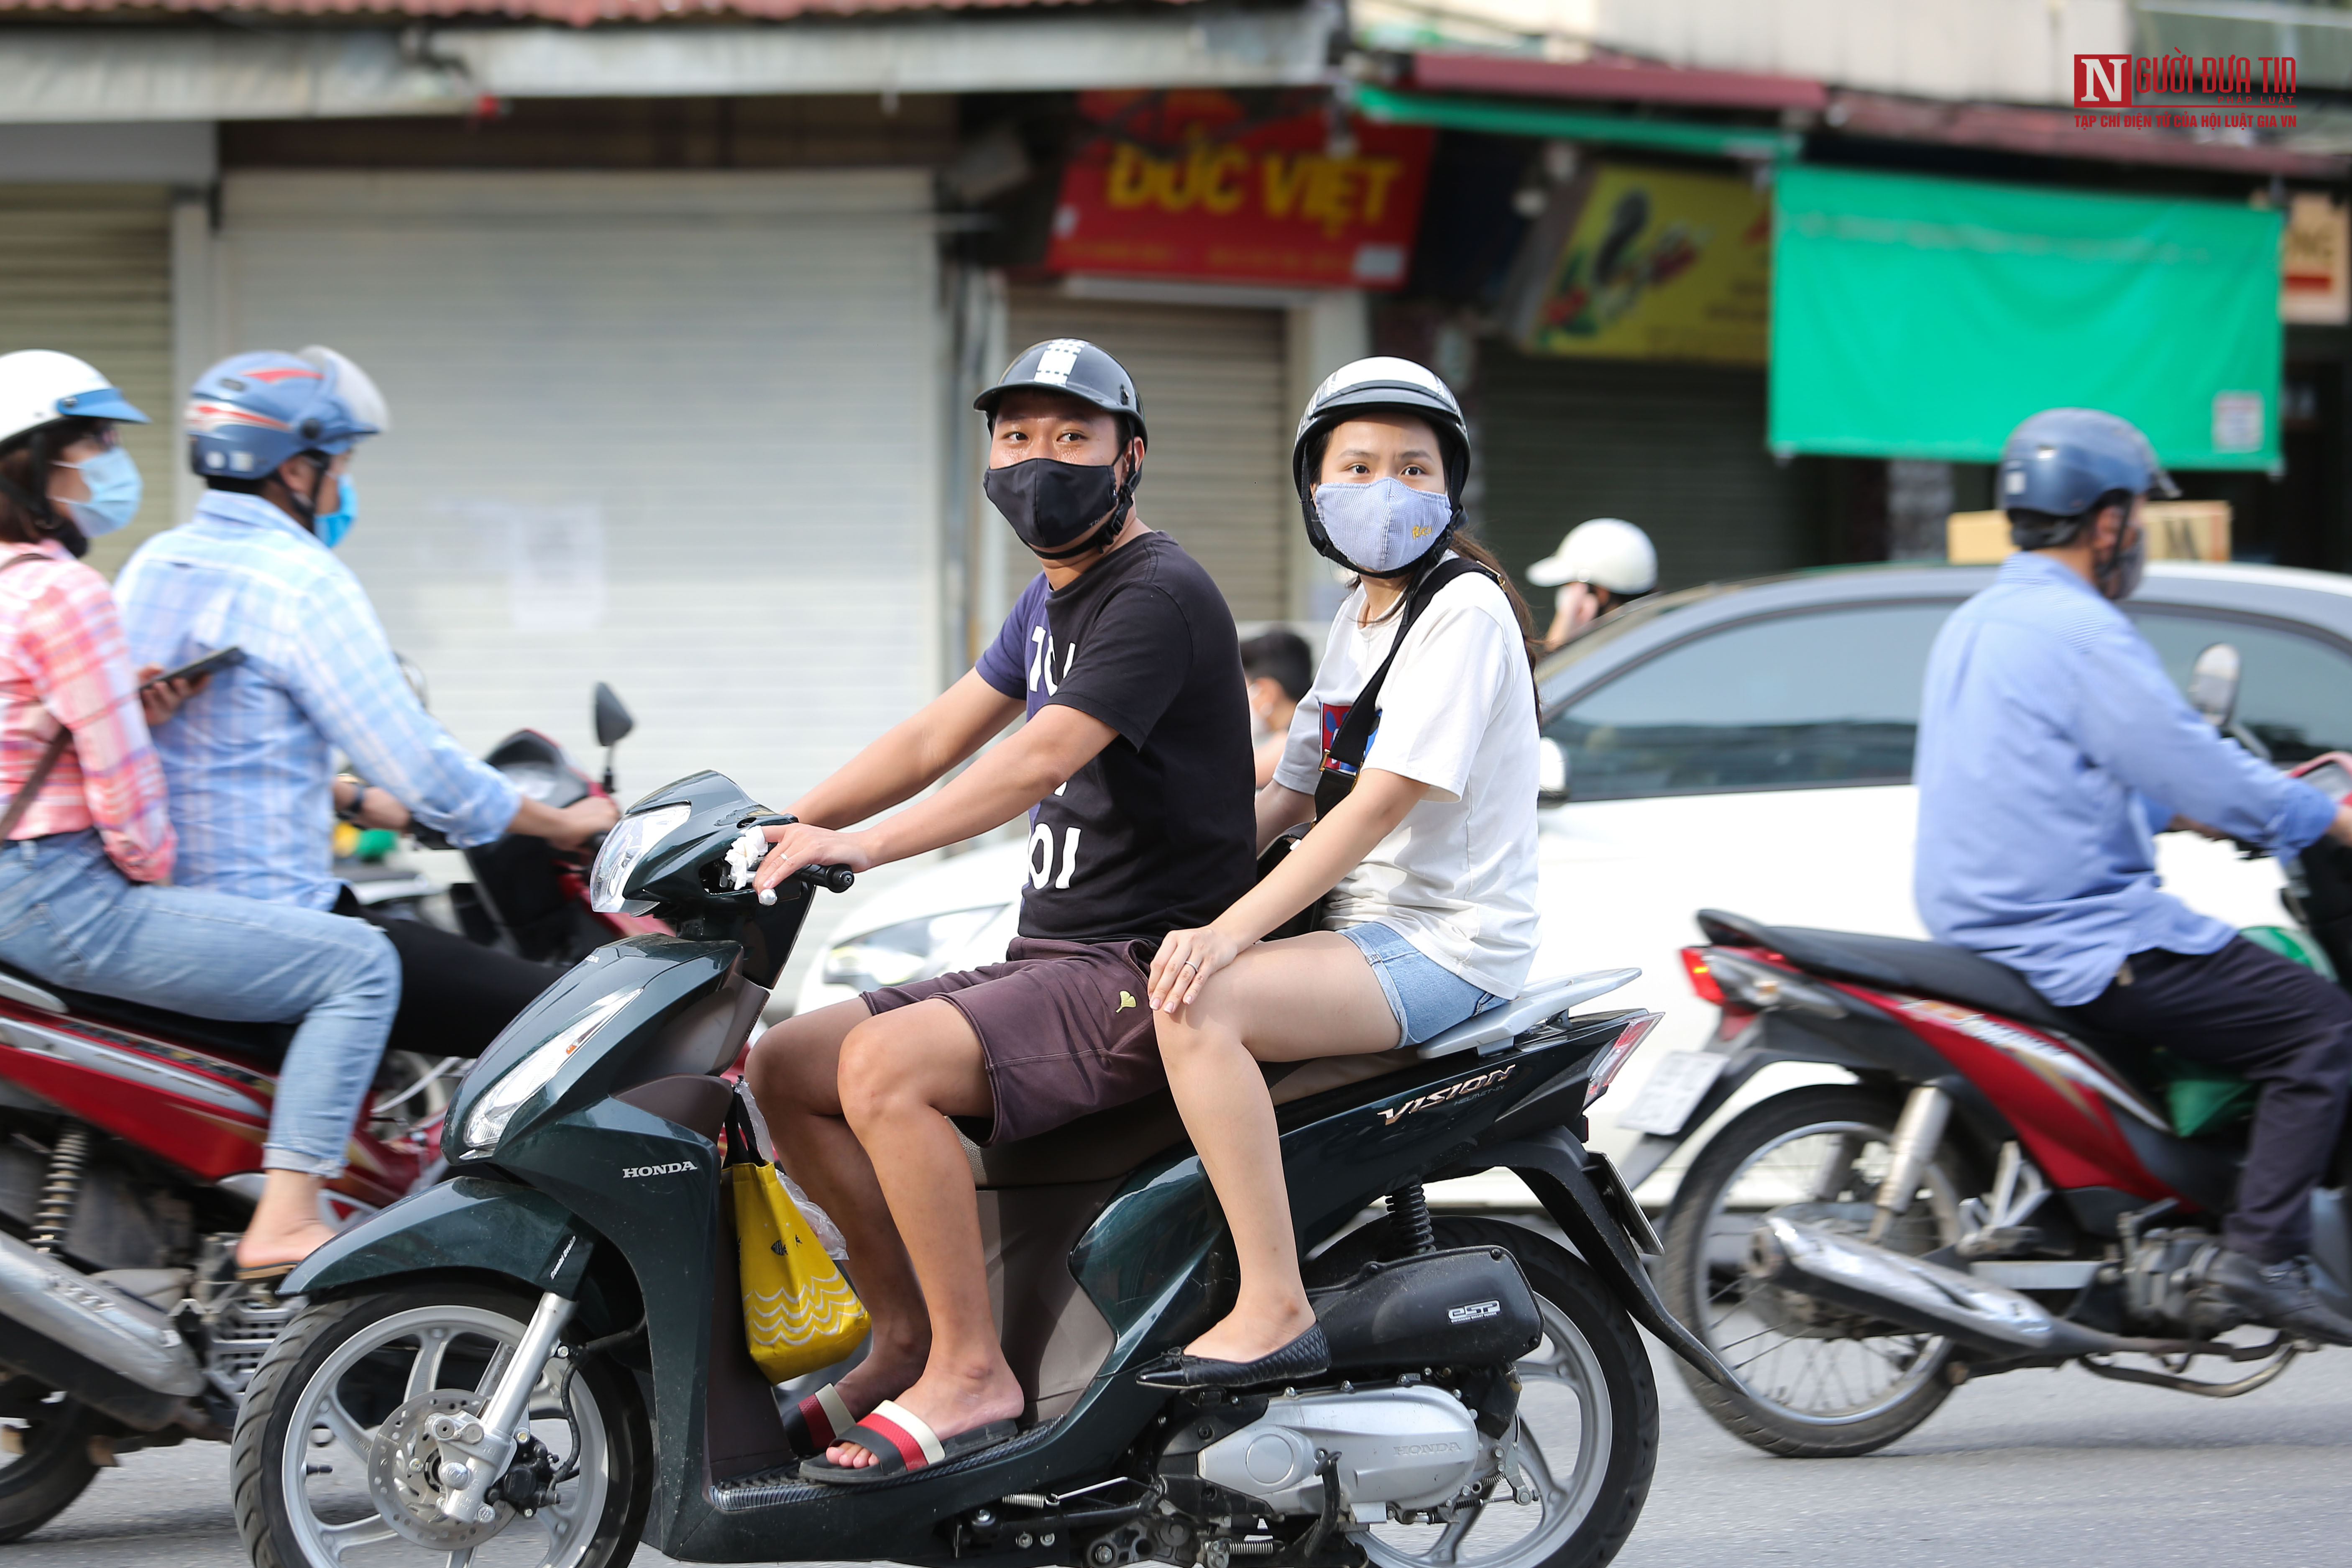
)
(472, 1224)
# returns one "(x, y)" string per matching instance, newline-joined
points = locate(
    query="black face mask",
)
(1058, 508)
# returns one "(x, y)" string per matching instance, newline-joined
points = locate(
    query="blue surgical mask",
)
(115, 489)
(1383, 526)
(330, 526)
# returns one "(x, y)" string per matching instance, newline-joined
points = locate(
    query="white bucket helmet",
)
(1608, 553)
(41, 386)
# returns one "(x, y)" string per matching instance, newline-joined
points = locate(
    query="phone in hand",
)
(197, 669)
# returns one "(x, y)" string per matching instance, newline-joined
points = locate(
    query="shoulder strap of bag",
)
(49, 754)
(1348, 747)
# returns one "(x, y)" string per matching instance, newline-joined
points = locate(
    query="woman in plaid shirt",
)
(85, 899)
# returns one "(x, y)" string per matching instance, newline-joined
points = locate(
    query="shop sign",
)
(1187, 184)
(1636, 263)
(2315, 262)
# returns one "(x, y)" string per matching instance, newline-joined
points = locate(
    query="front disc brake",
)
(405, 1476)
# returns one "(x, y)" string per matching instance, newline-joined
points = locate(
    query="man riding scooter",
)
(2051, 746)
(1134, 767)
(250, 761)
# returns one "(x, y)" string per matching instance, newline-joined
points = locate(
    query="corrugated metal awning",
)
(573, 13)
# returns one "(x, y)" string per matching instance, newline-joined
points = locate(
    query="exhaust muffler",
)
(106, 1349)
(1795, 1254)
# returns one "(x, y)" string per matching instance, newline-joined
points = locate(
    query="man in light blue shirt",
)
(2052, 748)
(253, 795)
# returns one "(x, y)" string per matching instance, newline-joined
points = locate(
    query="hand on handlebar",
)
(800, 844)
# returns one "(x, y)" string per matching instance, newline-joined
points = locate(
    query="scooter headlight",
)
(631, 840)
(487, 1118)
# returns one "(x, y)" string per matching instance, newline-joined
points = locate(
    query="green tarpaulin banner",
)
(1923, 318)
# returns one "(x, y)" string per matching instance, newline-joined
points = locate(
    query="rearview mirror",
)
(613, 720)
(1552, 773)
(2213, 684)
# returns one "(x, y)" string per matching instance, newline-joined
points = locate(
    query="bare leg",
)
(285, 1226)
(1313, 995)
(903, 1074)
(795, 1073)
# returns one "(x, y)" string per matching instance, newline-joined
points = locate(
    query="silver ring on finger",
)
(1188, 963)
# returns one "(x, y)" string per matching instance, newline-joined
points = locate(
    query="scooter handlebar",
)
(833, 878)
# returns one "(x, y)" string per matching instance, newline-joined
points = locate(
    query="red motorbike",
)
(1994, 1189)
(131, 1157)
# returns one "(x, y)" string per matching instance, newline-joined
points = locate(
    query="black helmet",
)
(1380, 384)
(1073, 366)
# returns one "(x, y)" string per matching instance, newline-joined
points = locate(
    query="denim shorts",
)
(1426, 997)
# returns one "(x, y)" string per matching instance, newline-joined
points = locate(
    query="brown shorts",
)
(1065, 1026)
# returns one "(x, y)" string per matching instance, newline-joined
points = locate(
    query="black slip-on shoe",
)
(1305, 1356)
(2279, 1295)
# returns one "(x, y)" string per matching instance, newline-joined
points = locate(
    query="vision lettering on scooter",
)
(673, 1168)
(1451, 1092)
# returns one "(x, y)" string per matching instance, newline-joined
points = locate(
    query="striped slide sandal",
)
(902, 1442)
(818, 1422)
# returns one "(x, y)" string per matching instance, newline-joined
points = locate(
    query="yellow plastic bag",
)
(799, 1313)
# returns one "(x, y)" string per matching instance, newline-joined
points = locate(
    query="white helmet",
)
(1608, 553)
(41, 386)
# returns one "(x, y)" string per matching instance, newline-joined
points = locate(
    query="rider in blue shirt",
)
(251, 769)
(2052, 748)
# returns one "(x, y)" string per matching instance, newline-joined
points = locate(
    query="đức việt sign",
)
(1188, 184)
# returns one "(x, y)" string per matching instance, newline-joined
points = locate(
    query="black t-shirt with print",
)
(1157, 832)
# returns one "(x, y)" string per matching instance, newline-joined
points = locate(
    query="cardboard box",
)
(2177, 531)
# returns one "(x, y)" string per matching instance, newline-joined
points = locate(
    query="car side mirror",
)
(1552, 773)
(2213, 684)
(613, 720)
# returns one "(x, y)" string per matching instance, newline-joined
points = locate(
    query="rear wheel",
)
(1820, 1382)
(44, 1454)
(1588, 1423)
(331, 1466)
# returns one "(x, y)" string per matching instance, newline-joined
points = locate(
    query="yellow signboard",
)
(1653, 264)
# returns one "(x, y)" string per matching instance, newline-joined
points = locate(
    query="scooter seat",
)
(262, 1042)
(1112, 1143)
(1894, 963)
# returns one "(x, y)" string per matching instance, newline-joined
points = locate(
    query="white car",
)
(1747, 746)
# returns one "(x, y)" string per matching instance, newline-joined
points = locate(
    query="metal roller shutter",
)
(87, 270)
(1212, 380)
(677, 432)
(1677, 449)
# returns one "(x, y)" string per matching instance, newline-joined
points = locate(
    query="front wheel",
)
(333, 1466)
(1819, 1382)
(1588, 1422)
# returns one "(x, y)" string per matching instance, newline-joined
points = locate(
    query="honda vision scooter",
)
(544, 1360)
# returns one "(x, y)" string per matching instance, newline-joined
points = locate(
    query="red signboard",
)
(1186, 185)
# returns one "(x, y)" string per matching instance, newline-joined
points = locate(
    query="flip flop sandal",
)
(902, 1442)
(265, 1273)
(817, 1423)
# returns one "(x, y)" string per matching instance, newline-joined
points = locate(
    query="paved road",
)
(2034, 1467)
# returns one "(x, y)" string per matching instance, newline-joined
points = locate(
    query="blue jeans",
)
(1426, 997)
(68, 917)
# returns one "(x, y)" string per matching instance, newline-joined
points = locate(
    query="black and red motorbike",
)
(1993, 1188)
(131, 1148)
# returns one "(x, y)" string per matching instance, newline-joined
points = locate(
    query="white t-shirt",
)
(1457, 877)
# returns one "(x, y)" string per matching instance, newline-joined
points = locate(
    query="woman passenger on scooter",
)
(1428, 850)
(84, 895)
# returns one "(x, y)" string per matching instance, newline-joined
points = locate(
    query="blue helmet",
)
(253, 411)
(2061, 460)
